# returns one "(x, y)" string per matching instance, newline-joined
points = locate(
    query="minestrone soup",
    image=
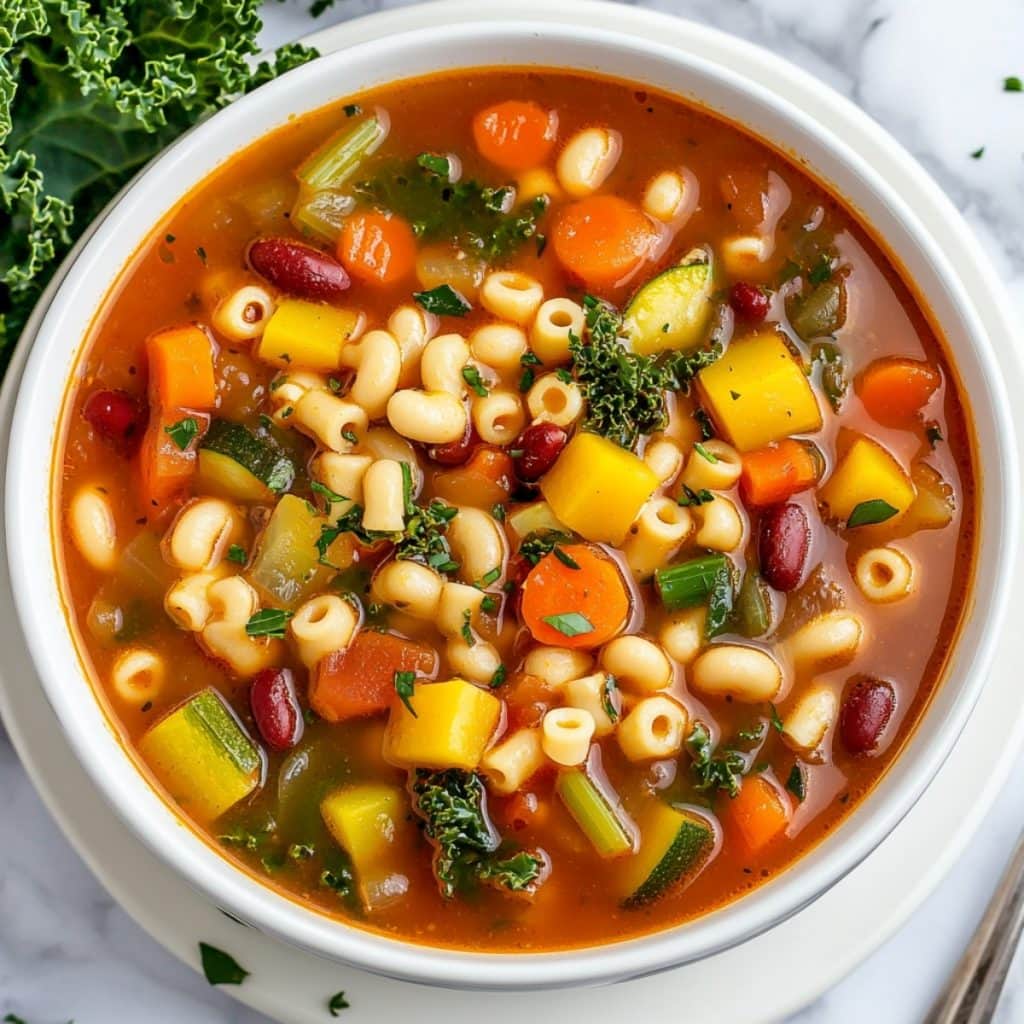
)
(513, 511)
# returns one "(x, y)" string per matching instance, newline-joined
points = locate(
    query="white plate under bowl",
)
(826, 939)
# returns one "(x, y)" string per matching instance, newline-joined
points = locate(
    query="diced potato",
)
(536, 516)
(286, 564)
(597, 488)
(202, 756)
(865, 473)
(757, 393)
(367, 821)
(452, 725)
(307, 334)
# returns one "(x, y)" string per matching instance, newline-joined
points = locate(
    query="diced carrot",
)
(360, 680)
(759, 812)
(776, 473)
(165, 469)
(485, 480)
(602, 240)
(515, 135)
(377, 248)
(575, 607)
(527, 698)
(895, 390)
(181, 369)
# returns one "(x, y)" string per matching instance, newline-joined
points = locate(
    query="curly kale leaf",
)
(88, 94)
(624, 391)
(451, 804)
(518, 873)
(474, 216)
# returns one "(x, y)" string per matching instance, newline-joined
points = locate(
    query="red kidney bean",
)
(540, 444)
(455, 453)
(298, 269)
(276, 708)
(784, 538)
(867, 707)
(748, 301)
(115, 416)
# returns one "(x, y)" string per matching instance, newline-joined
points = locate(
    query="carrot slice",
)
(602, 240)
(165, 468)
(181, 369)
(377, 248)
(575, 607)
(895, 390)
(758, 813)
(776, 473)
(360, 680)
(515, 135)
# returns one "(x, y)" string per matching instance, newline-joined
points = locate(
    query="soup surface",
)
(514, 511)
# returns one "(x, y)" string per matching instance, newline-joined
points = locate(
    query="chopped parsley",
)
(978, 153)
(184, 432)
(219, 967)
(704, 453)
(608, 688)
(352, 109)
(834, 379)
(797, 783)
(1013, 83)
(443, 300)
(498, 512)
(711, 772)
(471, 375)
(269, 622)
(435, 163)
(934, 434)
(490, 577)
(325, 492)
(868, 513)
(542, 542)
(236, 554)
(569, 623)
(467, 628)
(565, 558)
(405, 686)
(500, 674)
(775, 720)
(692, 497)
(337, 1003)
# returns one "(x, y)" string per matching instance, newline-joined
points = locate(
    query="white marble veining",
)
(930, 71)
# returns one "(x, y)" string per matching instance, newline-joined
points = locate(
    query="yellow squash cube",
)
(202, 756)
(452, 725)
(368, 822)
(307, 334)
(757, 393)
(597, 488)
(865, 473)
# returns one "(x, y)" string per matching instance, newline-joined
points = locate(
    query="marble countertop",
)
(931, 72)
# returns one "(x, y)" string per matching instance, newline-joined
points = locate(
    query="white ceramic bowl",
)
(38, 417)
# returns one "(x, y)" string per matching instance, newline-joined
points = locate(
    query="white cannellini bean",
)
(746, 673)
(587, 160)
(93, 527)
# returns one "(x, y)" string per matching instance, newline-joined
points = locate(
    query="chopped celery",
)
(820, 311)
(142, 564)
(322, 213)
(689, 584)
(336, 160)
(602, 824)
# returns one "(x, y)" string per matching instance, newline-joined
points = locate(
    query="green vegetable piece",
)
(605, 825)
(868, 513)
(183, 432)
(713, 772)
(820, 311)
(675, 846)
(269, 622)
(337, 1003)
(673, 310)
(286, 563)
(258, 464)
(336, 161)
(1013, 83)
(690, 583)
(569, 623)
(519, 873)
(753, 606)
(443, 300)
(797, 783)
(219, 967)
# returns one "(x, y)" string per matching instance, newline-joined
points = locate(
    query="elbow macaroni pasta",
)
(331, 421)
(384, 497)
(138, 674)
(498, 417)
(655, 728)
(555, 322)
(324, 624)
(430, 417)
(884, 575)
(511, 295)
(566, 734)
(513, 762)
(551, 400)
(242, 315)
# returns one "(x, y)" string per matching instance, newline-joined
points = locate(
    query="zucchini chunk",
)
(203, 756)
(675, 846)
(672, 311)
(236, 463)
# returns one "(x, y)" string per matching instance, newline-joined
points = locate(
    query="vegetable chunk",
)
(307, 334)
(447, 725)
(597, 488)
(202, 756)
(757, 393)
(673, 310)
(867, 472)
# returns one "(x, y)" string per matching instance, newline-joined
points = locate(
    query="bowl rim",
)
(255, 902)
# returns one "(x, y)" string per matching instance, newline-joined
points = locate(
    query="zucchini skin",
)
(685, 857)
(259, 456)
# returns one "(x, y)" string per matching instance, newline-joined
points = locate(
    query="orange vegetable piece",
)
(485, 480)
(165, 469)
(360, 680)
(602, 240)
(758, 813)
(895, 390)
(776, 473)
(515, 135)
(596, 591)
(181, 369)
(377, 248)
